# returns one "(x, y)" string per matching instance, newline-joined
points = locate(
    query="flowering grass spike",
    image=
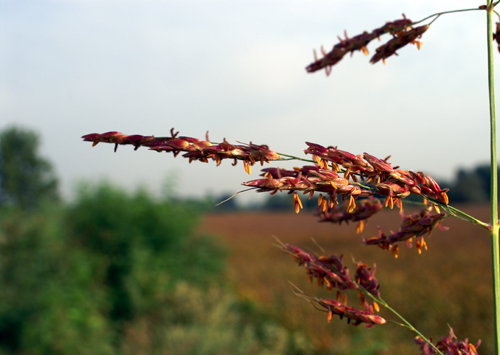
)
(401, 30)
(194, 148)
(339, 213)
(449, 346)
(416, 226)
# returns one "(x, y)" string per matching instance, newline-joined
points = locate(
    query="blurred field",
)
(448, 284)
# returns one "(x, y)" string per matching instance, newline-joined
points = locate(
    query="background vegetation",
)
(115, 272)
(448, 284)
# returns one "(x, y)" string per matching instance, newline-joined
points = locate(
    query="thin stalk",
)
(411, 327)
(444, 13)
(455, 212)
(406, 324)
(495, 254)
(293, 157)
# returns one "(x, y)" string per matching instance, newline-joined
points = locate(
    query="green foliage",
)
(143, 245)
(116, 273)
(26, 179)
(119, 273)
(212, 322)
(72, 279)
(48, 304)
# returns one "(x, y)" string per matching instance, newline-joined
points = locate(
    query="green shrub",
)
(71, 279)
(48, 303)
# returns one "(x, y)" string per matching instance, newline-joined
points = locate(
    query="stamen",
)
(360, 227)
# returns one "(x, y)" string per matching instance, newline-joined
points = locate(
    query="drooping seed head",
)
(449, 345)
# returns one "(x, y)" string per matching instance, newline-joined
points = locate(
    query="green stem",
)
(455, 212)
(293, 157)
(411, 327)
(406, 323)
(494, 179)
(444, 13)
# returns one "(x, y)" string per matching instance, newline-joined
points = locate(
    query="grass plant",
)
(354, 187)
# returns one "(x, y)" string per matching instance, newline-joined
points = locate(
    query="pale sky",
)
(237, 69)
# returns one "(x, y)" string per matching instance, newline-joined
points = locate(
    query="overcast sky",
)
(237, 69)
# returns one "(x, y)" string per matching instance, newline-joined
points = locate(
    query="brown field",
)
(448, 284)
